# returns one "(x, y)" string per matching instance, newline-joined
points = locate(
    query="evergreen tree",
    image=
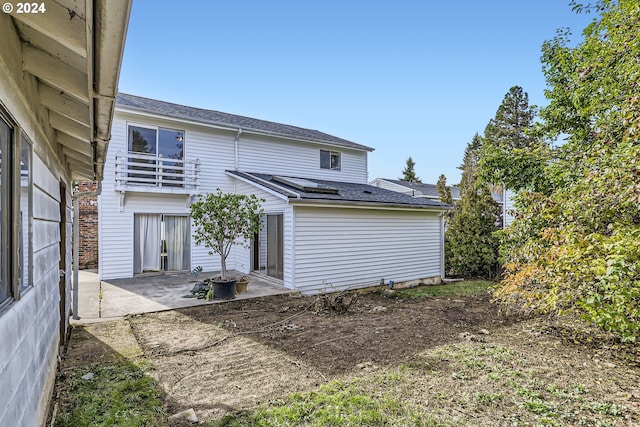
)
(511, 154)
(509, 128)
(471, 246)
(409, 173)
(444, 192)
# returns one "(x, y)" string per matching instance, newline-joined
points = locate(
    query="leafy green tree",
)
(471, 246)
(444, 192)
(222, 220)
(409, 173)
(576, 248)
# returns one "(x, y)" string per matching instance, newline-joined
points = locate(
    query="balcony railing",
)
(154, 173)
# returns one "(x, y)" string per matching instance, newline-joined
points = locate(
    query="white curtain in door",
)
(177, 232)
(147, 241)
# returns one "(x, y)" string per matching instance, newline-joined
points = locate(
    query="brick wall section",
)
(88, 226)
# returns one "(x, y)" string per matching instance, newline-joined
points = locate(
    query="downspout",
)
(76, 242)
(237, 150)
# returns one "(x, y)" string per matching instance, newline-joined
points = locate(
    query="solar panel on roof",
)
(306, 185)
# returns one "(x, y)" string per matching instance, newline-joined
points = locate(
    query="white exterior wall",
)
(339, 248)
(508, 207)
(272, 205)
(115, 256)
(30, 326)
(281, 157)
(215, 148)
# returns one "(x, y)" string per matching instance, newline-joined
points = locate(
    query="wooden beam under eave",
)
(68, 126)
(56, 73)
(58, 23)
(79, 157)
(74, 144)
(66, 106)
(78, 171)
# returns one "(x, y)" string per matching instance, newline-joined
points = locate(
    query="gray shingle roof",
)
(347, 192)
(218, 118)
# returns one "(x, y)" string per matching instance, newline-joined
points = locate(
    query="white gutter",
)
(76, 242)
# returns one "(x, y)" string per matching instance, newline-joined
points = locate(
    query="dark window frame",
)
(327, 158)
(9, 211)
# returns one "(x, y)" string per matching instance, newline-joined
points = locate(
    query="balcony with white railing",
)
(156, 174)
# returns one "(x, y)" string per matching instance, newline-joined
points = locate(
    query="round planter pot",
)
(224, 290)
(241, 286)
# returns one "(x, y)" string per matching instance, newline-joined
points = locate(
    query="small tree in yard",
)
(224, 219)
(471, 246)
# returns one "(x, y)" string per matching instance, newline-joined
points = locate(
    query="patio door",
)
(267, 255)
(161, 243)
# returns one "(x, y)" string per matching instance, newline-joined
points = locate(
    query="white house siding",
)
(339, 248)
(116, 230)
(30, 327)
(274, 156)
(272, 205)
(508, 207)
(216, 150)
(216, 153)
(289, 238)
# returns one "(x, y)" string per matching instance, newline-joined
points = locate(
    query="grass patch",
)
(454, 289)
(118, 394)
(339, 403)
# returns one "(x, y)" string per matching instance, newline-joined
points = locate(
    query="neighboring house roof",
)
(217, 118)
(431, 190)
(426, 190)
(345, 192)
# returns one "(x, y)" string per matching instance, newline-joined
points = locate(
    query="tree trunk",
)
(223, 267)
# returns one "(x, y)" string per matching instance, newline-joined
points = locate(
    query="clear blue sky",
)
(408, 78)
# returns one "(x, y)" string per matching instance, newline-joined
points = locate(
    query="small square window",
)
(329, 160)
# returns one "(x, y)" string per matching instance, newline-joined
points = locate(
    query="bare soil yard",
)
(454, 361)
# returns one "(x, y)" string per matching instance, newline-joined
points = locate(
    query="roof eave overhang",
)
(144, 113)
(111, 23)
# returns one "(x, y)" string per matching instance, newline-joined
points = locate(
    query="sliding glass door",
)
(161, 243)
(268, 247)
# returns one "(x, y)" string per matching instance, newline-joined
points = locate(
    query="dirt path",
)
(233, 356)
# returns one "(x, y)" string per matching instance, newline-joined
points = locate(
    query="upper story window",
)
(166, 143)
(329, 160)
(156, 155)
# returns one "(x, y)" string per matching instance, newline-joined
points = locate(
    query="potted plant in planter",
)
(222, 220)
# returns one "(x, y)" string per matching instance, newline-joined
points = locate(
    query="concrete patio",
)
(100, 300)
